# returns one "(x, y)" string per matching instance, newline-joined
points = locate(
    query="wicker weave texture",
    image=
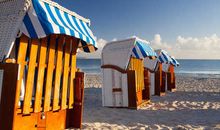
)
(12, 13)
(11, 16)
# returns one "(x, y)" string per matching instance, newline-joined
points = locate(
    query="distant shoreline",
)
(95, 79)
(178, 74)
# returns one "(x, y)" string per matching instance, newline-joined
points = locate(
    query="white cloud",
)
(157, 43)
(191, 47)
(185, 47)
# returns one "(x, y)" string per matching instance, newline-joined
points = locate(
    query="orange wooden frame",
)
(160, 81)
(53, 89)
(171, 81)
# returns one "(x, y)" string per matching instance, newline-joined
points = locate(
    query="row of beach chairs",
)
(133, 72)
(41, 87)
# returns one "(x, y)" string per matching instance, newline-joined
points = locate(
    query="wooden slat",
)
(169, 81)
(163, 87)
(157, 83)
(131, 89)
(59, 66)
(172, 73)
(21, 59)
(72, 72)
(65, 73)
(40, 77)
(30, 77)
(116, 90)
(8, 95)
(160, 71)
(115, 68)
(146, 91)
(50, 69)
(174, 82)
(75, 121)
(138, 66)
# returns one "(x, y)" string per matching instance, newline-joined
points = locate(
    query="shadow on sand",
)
(177, 110)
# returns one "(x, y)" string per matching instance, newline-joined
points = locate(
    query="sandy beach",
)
(195, 105)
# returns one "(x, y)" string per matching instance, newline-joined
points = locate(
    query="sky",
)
(187, 29)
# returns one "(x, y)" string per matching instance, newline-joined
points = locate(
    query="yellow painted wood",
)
(50, 69)
(59, 66)
(21, 60)
(30, 76)
(65, 73)
(40, 76)
(138, 66)
(72, 72)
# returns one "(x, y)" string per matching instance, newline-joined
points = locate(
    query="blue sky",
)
(145, 18)
(170, 19)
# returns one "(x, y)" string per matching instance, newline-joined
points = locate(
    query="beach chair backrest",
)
(138, 66)
(46, 74)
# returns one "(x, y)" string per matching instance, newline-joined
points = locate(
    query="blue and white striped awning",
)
(163, 57)
(174, 62)
(45, 18)
(142, 50)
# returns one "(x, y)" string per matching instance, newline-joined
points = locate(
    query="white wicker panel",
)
(117, 84)
(12, 13)
(1, 81)
(107, 94)
(125, 89)
(152, 84)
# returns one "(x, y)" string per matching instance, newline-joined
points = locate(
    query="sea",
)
(187, 67)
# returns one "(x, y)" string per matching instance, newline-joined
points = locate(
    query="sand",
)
(195, 105)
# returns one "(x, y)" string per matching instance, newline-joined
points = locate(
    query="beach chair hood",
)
(40, 18)
(163, 58)
(118, 53)
(174, 62)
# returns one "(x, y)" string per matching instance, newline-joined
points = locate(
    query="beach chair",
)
(41, 88)
(171, 78)
(124, 84)
(157, 75)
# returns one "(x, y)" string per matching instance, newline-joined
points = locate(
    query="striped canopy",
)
(142, 50)
(163, 57)
(174, 61)
(46, 17)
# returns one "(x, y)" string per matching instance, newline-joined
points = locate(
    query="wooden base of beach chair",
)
(174, 81)
(169, 87)
(146, 91)
(163, 86)
(157, 84)
(160, 84)
(12, 117)
(136, 98)
(171, 82)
